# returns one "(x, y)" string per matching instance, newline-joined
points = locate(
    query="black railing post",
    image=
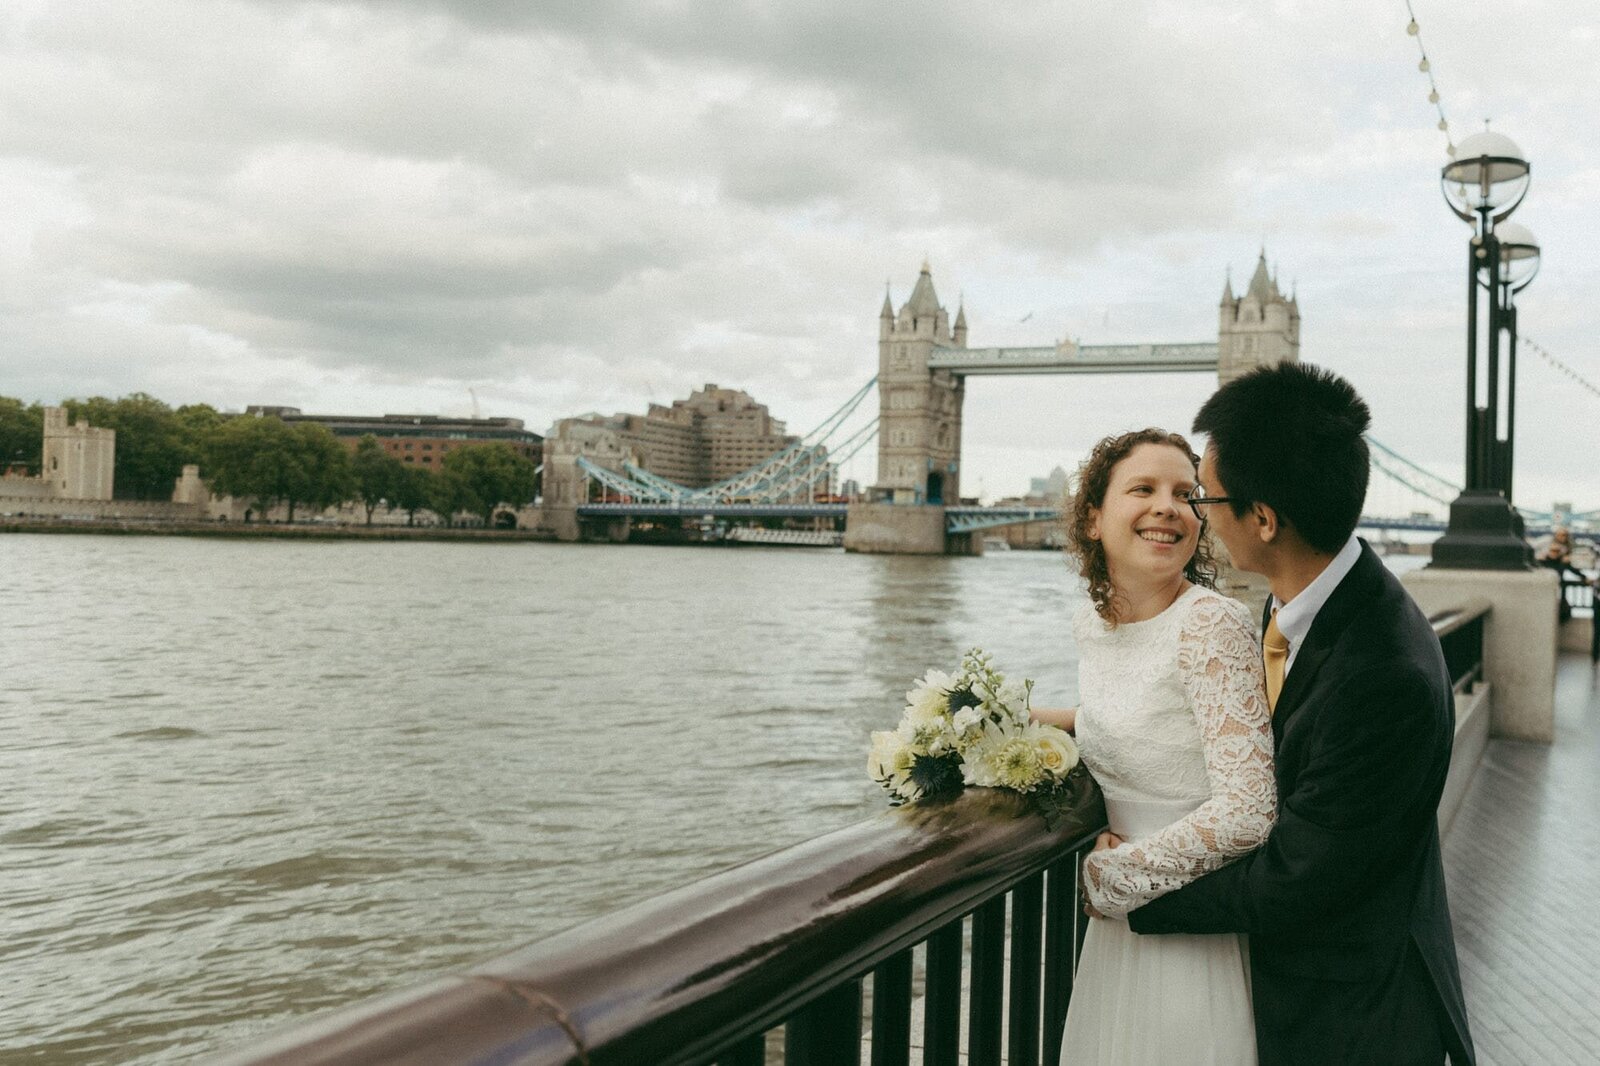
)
(941, 1004)
(826, 1031)
(1027, 906)
(1060, 900)
(987, 989)
(751, 1051)
(891, 1011)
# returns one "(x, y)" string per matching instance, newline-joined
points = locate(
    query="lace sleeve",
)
(1220, 665)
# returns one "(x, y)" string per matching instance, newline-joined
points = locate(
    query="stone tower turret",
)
(1260, 328)
(919, 410)
(79, 460)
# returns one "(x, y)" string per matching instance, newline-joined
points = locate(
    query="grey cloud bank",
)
(372, 206)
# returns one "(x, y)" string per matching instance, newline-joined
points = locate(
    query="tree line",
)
(270, 461)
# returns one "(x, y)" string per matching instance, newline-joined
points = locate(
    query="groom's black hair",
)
(1290, 436)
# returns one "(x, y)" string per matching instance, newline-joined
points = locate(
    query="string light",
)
(1414, 30)
(1559, 365)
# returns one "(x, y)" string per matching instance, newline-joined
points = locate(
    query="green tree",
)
(449, 493)
(413, 489)
(491, 475)
(21, 434)
(197, 422)
(150, 452)
(271, 462)
(376, 474)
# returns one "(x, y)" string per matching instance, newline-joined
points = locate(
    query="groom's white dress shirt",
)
(1296, 616)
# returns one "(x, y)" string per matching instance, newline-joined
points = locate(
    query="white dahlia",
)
(930, 696)
(1008, 755)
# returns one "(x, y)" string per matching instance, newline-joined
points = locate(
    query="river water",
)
(242, 782)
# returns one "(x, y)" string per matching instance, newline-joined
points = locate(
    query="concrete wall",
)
(1520, 639)
(1576, 634)
(23, 488)
(885, 528)
(56, 507)
(1474, 710)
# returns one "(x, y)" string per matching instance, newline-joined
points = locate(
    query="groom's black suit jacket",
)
(1351, 953)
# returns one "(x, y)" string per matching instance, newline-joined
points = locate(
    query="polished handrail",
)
(685, 976)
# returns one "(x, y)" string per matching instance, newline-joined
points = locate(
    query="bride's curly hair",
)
(1092, 481)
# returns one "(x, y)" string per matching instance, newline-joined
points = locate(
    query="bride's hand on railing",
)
(1064, 717)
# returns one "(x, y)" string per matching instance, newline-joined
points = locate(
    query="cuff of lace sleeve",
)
(1095, 891)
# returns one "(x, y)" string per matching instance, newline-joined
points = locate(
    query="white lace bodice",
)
(1173, 719)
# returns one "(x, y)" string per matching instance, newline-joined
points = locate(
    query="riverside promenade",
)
(1522, 859)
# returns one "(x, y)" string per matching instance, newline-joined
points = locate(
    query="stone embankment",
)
(278, 530)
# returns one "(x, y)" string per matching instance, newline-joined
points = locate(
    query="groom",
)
(1351, 954)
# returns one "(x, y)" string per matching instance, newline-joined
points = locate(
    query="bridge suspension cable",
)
(794, 468)
(1414, 477)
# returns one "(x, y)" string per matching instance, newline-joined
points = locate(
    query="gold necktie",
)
(1275, 652)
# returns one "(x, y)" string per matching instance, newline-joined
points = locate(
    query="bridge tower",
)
(919, 433)
(1260, 328)
(919, 410)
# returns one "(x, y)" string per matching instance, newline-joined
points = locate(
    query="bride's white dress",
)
(1173, 722)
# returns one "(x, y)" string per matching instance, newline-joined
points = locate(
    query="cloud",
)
(593, 203)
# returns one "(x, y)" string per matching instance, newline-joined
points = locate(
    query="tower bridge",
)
(924, 362)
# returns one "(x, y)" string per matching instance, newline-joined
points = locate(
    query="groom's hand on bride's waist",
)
(1103, 842)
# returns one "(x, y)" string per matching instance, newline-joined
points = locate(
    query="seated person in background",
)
(1558, 553)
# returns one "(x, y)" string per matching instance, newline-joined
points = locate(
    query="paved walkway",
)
(1522, 861)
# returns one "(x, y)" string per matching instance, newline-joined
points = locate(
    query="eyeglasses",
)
(1200, 503)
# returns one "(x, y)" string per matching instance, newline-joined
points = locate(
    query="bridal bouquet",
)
(972, 728)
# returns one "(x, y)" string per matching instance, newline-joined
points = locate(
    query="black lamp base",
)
(1485, 533)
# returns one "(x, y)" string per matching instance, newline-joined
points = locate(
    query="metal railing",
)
(710, 973)
(795, 950)
(1460, 633)
(1577, 590)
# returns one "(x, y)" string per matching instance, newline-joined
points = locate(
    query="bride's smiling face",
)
(1145, 525)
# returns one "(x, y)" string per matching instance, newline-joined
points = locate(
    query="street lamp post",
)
(1519, 262)
(1483, 184)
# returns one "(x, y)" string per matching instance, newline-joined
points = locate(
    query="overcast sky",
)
(586, 205)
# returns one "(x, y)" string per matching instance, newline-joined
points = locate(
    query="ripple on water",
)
(61, 833)
(164, 732)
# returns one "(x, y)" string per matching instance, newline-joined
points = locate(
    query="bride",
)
(1174, 723)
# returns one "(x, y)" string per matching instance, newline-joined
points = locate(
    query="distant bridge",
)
(957, 519)
(1077, 359)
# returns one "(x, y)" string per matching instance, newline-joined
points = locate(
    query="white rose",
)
(1057, 753)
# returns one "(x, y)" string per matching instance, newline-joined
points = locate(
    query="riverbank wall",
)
(269, 530)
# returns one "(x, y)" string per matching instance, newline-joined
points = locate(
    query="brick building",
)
(714, 434)
(422, 440)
